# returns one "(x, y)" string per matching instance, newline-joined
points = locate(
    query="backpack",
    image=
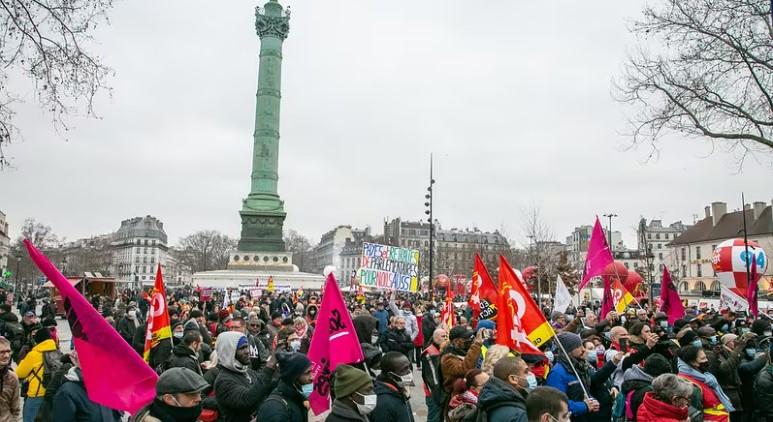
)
(52, 362)
(14, 333)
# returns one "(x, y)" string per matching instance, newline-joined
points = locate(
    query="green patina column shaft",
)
(262, 211)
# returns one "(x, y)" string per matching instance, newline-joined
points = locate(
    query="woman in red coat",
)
(668, 402)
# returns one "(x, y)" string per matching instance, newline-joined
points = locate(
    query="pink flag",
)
(670, 302)
(751, 290)
(114, 374)
(334, 342)
(599, 255)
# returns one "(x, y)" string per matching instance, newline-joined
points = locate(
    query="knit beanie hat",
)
(349, 379)
(656, 364)
(569, 341)
(292, 366)
(42, 335)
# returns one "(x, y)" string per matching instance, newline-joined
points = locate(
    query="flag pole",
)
(569, 359)
(746, 244)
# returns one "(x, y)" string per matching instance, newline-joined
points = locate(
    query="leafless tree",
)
(711, 75)
(301, 247)
(43, 237)
(46, 41)
(204, 250)
(542, 249)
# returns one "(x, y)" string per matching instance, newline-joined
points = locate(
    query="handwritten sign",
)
(389, 267)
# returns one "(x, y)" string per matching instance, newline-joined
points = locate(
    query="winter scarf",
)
(708, 379)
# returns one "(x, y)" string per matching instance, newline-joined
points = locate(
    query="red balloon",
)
(616, 270)
(528, 272)
(442, 281)
(633, 281)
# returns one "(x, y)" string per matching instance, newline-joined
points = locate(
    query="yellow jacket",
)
(31, 368)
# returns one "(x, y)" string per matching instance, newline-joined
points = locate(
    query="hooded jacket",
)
(364, 325)
(392, 405)
(184, 357)
(71, 402)
(502, 402)
(638, 381)
(654, 410)
(340, 412)
(285, 404)
(239, 390)
(31, 368)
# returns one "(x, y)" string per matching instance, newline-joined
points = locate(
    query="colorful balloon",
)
(616, 270)
(442, 281)
(729, 263)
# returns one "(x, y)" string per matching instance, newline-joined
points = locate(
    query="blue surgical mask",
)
(713, 340)
(697, 343)
(307, 389)
(724, 328)
(751, 352)
(664, 324)
(549, 355)
(532, 380)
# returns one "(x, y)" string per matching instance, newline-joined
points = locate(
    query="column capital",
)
(272, 20)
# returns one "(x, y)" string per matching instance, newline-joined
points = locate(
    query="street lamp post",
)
(428, 212)
(609, 228)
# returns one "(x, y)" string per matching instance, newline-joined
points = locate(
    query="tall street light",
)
(609, 229)
(18, 263)
(428, 212)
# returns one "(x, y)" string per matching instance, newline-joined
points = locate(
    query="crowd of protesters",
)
(247, 361)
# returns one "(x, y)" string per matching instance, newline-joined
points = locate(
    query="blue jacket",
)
(383, 320)
(562, 378)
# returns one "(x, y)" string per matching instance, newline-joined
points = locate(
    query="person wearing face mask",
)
(708, 396)
(411, 326)
(729, 365)
(433, 390)
(289, 400)
(238, 389)
(503, 398)
(708, 336)
(599, 405)
(392, 387)
(667, 402)
(311, 315)
(178, 398)
(186, 353)
(638, 381)
(128, 324)
(303, 333)
(465, 396)
(71, 402)
(355, 397)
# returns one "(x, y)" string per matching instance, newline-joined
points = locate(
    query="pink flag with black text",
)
(114, 374)
(670, 302)
(334, 343)
(599, 255)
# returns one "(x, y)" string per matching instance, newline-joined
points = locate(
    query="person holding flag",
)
(158, 337)
(458, 357)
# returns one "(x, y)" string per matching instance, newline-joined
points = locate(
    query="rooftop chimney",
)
(708, 211)
(758, 208)
(718, 210)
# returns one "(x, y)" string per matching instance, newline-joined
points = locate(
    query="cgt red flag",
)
(447, 314)
(159, 327)
(520, 323)
(486, 292)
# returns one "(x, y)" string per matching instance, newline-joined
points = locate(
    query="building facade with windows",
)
(657, 238)
(692, 251)
(138, 246)
(341, 248)
(577, 244)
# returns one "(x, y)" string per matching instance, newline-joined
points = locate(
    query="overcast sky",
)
(513, 97)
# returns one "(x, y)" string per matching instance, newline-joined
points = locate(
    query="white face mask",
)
(370, 403)
(406, 379)
(178, 334)
(295, 345)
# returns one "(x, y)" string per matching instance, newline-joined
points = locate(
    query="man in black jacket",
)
(238, 389)
(285, 403)
(397, 339)
(503, 396)
(186, 354)
(392, 387)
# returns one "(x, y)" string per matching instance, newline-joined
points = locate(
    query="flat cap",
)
(180, 380)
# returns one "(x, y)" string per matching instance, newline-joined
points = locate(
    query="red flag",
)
(114, 375)
(751, 291)
(487, 291)
(447, 314)
(670, 302)
(598, 256)
(520, 323)
(608, 300)
(158, 317)
(334, 342)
